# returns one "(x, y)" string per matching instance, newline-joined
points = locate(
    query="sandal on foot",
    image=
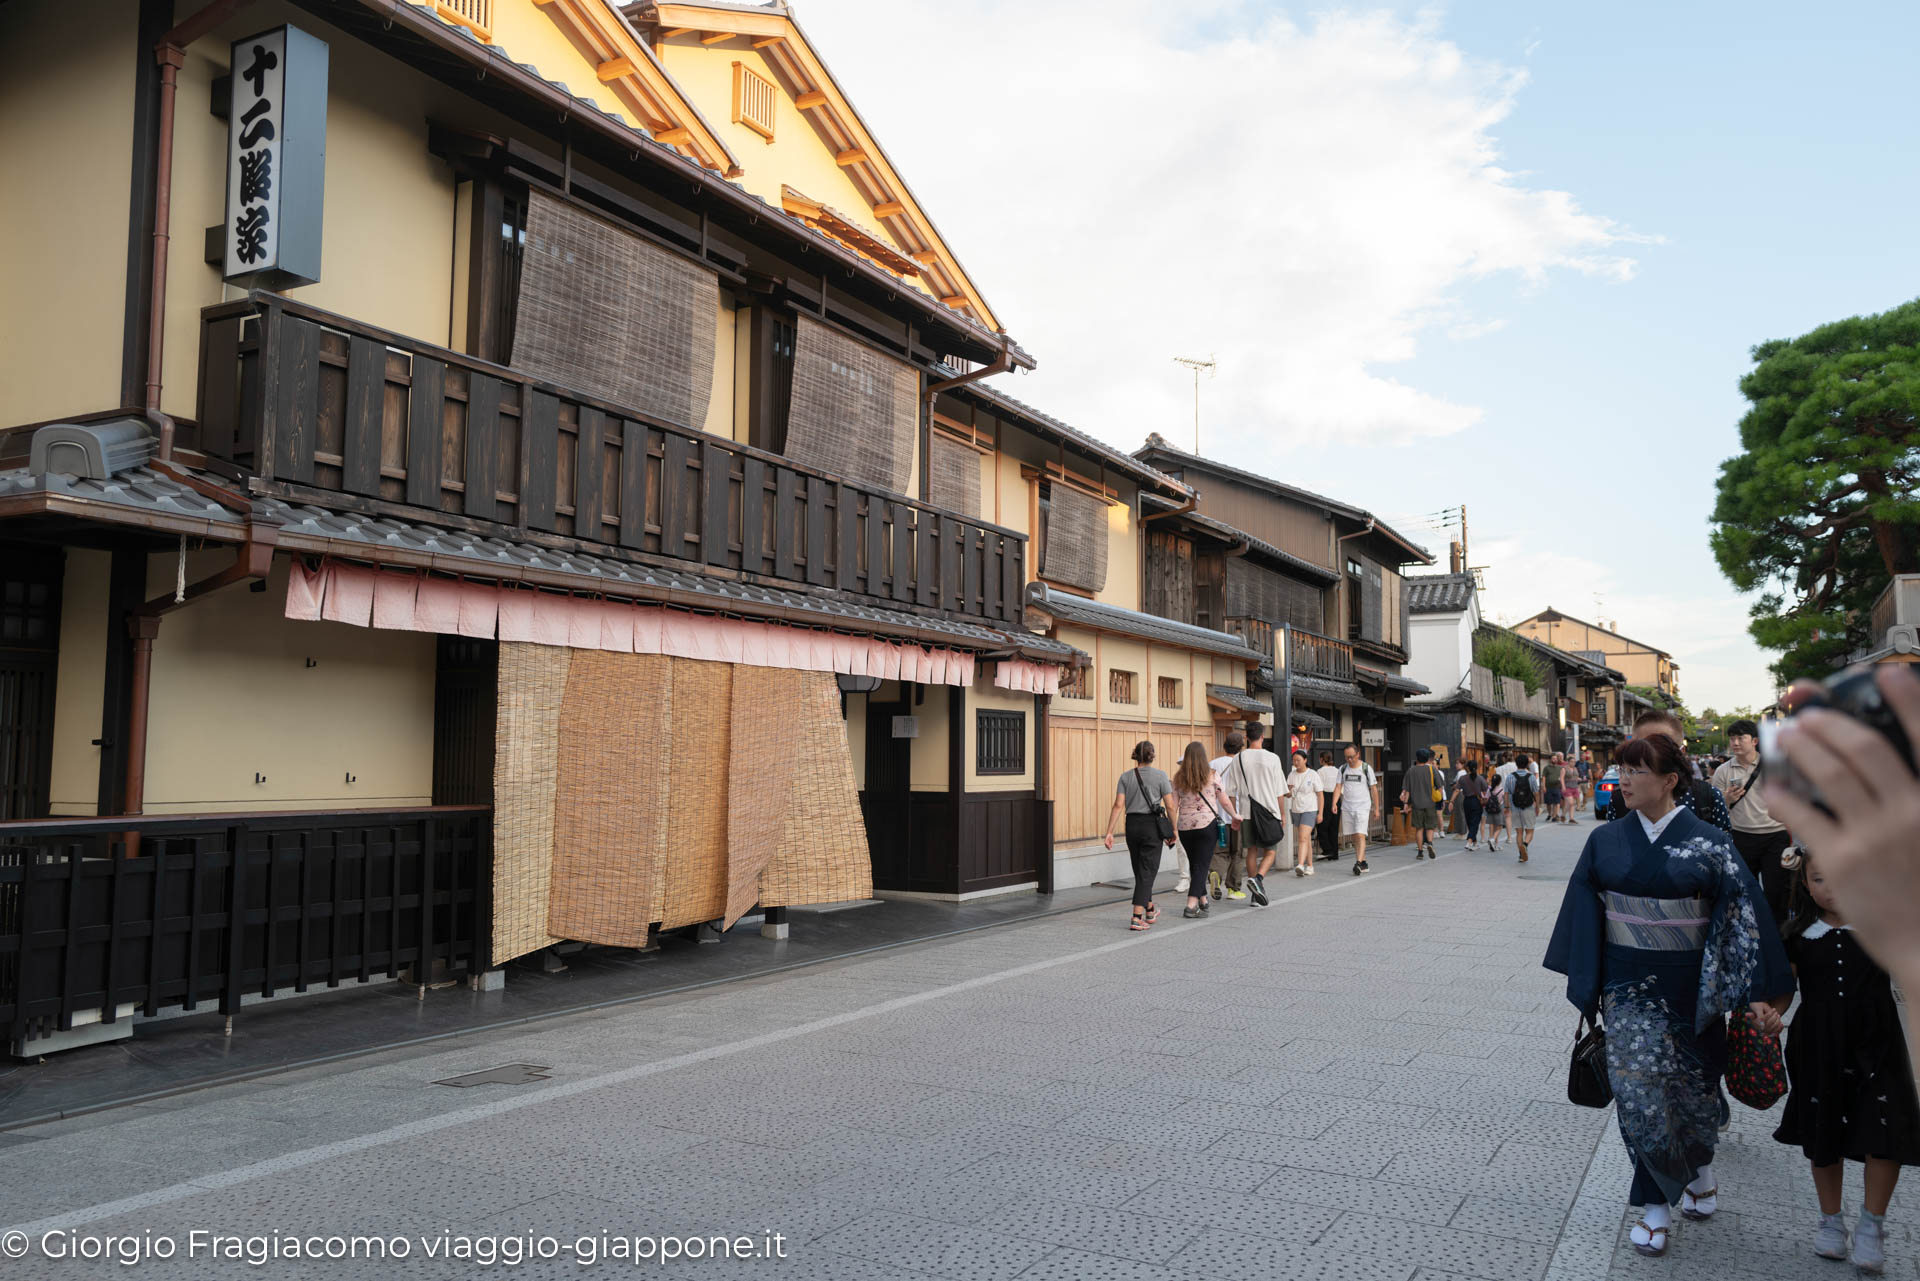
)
(1656, 1242)
(1699, 1206)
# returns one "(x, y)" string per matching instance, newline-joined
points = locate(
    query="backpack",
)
(1523, 789)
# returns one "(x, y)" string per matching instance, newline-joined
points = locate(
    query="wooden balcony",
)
(314, 401)
(1311, 654)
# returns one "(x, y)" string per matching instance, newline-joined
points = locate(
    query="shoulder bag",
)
(1161, 821)
(1587, 1083)
(1264, 829)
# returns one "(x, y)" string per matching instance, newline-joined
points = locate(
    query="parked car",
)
(1606, 791)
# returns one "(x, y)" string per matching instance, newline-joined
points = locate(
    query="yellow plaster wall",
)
(742, 373)
(1118, 653)
(1123, 550)
(720, 410)
(797, 156)
(985, 695)
(232, 695)
(80, 684)
(857, 738)
(523, 29)
(66, 139)
(929, 750)
(387, 257)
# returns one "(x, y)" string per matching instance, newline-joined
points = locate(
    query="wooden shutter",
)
(954, 477)
(1371, 611)
(853, 410)
(612, 314)
(1076, 546)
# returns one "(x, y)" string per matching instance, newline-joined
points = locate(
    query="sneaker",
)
(1309, 869)
(1470, 847)
(1180, 886)
(1214, 884)
(1206, 905)
(1359, 867)
(1257, 885)
(1236, 894)
(1419, 853)
(1301, 869)
(1869, 1243)
(1830, 1240)
(1191, 913)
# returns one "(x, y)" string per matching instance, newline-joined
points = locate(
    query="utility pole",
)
(1465, 560)
(1196, 365)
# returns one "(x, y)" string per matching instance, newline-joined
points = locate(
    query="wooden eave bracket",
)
(1061, 476)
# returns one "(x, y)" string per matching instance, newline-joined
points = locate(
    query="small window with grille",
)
(1000, 742)
(1073, 683)
(753, 97)
(1120, 686)
(1170, 692)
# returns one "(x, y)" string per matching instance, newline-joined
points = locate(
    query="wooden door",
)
(886, 802)
(29, 652)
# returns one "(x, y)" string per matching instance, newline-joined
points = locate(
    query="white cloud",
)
(1130, 182)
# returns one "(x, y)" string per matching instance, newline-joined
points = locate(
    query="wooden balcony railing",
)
(303, 396)
(1311, 654)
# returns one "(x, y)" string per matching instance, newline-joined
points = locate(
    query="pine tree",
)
(1821, 509)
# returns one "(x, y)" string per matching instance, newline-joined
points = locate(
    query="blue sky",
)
(1507, 254)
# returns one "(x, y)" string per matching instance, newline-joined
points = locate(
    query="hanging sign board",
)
(276, 159)
(1373, 738)
(906, 727)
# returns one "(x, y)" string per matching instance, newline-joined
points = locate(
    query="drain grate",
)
(505, 1074)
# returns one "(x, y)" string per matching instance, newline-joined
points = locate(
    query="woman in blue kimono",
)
(1659, 933)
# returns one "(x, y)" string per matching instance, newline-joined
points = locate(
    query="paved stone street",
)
(1364, 1082)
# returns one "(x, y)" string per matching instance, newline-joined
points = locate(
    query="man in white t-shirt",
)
(1359, 798)
(1258, 777)
(1229, 870)
(1330, 822)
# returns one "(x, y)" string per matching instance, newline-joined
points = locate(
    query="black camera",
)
(1853, 693)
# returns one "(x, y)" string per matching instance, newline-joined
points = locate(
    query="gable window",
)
(1120, 686)
(1000, 742)
(753, 97)
(1170, 692)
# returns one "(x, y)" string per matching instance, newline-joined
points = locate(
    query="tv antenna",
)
(1196, 365)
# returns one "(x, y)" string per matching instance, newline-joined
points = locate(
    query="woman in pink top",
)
(1203, 807)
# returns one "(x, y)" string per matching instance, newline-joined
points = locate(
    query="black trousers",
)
(1200, 843)
(1472, 810)
(1328, 830)
(1762, 851)
(1144, 845)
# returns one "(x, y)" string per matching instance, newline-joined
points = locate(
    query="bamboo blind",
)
(532, 683)
(605, 311)
(853, 409)
(1076, 542)
(953, 478)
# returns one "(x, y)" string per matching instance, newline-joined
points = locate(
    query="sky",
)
(1508, 255)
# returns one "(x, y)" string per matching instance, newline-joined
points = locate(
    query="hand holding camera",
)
(1841, 775)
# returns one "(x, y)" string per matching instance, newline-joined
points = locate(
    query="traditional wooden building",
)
(381, 565)
(1314, 583)
(1641, 664)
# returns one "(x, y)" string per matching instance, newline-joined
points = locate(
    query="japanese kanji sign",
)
(276, 158)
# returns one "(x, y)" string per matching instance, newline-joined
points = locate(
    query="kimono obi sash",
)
(1657, 924)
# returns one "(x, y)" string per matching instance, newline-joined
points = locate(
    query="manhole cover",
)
(505, 1074)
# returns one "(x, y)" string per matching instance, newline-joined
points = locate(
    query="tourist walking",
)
(1202, 808)
(1329, 831)
(1664, 933)
(1306, 807)
(1496, 810)
(1852, 1097)
(1359, 797)
(1229, 858)
(1257, 782)
(1423, 794)
(1522, 796)
(1469, 799)
(1584, 768)
(1760, 838)
(1145, 796)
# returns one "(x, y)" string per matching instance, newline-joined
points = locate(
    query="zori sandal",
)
(1655, 1244)
(1699, 1206)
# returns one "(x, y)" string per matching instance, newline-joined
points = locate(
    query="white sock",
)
(1657, 1216)
(1704, 1181)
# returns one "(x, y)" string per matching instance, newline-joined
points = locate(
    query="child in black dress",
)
(1852, 1095)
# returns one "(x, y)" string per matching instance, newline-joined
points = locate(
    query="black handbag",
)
(1587, 1083)
(1161, 821)
(1260, 826)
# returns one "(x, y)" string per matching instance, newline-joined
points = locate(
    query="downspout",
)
(171, 53)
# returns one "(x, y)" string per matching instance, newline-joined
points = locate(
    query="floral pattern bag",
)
(1756, 1074)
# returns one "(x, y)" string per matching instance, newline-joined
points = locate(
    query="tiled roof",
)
(1239, 700)
(1158, 447)
(384, 540)
(1320, 690)
(1388, 680)
(1047, 424)
(1439, 593)
(1294, 564)
(1069, 608)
